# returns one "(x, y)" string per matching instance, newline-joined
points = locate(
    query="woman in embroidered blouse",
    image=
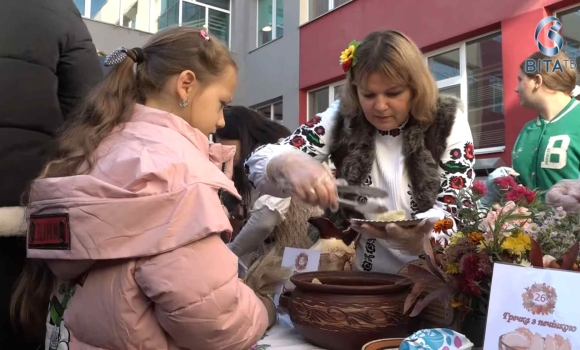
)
(390, 129)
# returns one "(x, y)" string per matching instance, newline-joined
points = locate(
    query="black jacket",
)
(47, 63)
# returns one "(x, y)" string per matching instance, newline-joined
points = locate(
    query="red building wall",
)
(432, 25)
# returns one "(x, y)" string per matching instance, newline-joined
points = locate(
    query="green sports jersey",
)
(547, 152)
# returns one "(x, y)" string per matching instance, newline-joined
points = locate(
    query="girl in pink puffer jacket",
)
(124, 222)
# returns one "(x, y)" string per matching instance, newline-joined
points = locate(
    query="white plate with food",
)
(391, 217)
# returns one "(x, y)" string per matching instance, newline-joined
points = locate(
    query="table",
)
(283, 336)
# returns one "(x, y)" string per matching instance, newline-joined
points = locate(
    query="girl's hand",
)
(407, 239)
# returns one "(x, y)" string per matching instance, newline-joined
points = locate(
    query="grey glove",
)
(493, 195)
(260, 225)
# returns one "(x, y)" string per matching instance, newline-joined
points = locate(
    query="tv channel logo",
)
(553, 35)
(551, 65)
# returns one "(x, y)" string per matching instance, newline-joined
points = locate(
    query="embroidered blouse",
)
(388, 172)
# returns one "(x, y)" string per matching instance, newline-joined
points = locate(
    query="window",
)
(473, 72)
(317, 8)
(215, 14)
(153, 15)
(272, 111)
(270, 20)
(319, 100)
(571, 19)
(134, 14)
(104, 11)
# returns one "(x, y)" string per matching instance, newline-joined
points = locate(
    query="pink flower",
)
(489, 221)
(492, 216)
(479, 188)
(507, 207)
(521, 193)
(506, 182)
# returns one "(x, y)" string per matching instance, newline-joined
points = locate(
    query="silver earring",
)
(183, 103)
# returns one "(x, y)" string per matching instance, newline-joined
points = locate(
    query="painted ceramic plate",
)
(378, 223)
(383, 344)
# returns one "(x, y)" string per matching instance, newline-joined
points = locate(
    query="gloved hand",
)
(407, 239)
(305, 178)
(493, 195)
(565, 194)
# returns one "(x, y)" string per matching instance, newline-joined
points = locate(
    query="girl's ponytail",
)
(107, 106)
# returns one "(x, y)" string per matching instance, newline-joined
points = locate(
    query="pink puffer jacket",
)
(135, 245)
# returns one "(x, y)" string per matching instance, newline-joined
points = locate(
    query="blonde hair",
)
(556, 80)
(397, 57)
(110, 104)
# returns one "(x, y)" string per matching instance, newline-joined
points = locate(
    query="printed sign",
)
(301, 260)
(533, 309)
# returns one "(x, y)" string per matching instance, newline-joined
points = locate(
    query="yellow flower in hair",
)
(347, 54)
(347, 58)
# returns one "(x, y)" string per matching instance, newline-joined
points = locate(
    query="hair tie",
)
(139, 55)
(203, 33)
(119, 55)
(576, 91)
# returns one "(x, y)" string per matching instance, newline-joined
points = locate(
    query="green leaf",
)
(453, 167)
(355, 44)
(314, 139)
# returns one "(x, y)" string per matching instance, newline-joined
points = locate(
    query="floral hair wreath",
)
(347, 57)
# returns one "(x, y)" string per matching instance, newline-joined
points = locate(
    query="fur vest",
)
(353, 152)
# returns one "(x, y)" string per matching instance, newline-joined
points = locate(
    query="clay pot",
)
(349, 309)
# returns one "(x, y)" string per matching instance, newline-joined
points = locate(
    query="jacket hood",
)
(153, 188)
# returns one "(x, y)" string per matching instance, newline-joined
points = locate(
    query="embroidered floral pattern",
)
(469, 151)
(412, 203)
(307, 137)
(369, 255)
(394, 132)
(455, 153)
(447, 199)
(457, 174)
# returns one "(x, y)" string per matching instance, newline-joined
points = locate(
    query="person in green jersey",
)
(547, 149)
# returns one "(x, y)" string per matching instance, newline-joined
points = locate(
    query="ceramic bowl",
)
(349, 308)
(383, 344)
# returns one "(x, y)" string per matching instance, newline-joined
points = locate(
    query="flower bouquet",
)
(519, 229)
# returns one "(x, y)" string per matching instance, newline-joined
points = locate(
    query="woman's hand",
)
(565, 194)
(407, 239)
(305, 178)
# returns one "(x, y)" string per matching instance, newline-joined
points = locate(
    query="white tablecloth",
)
(283, 336)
